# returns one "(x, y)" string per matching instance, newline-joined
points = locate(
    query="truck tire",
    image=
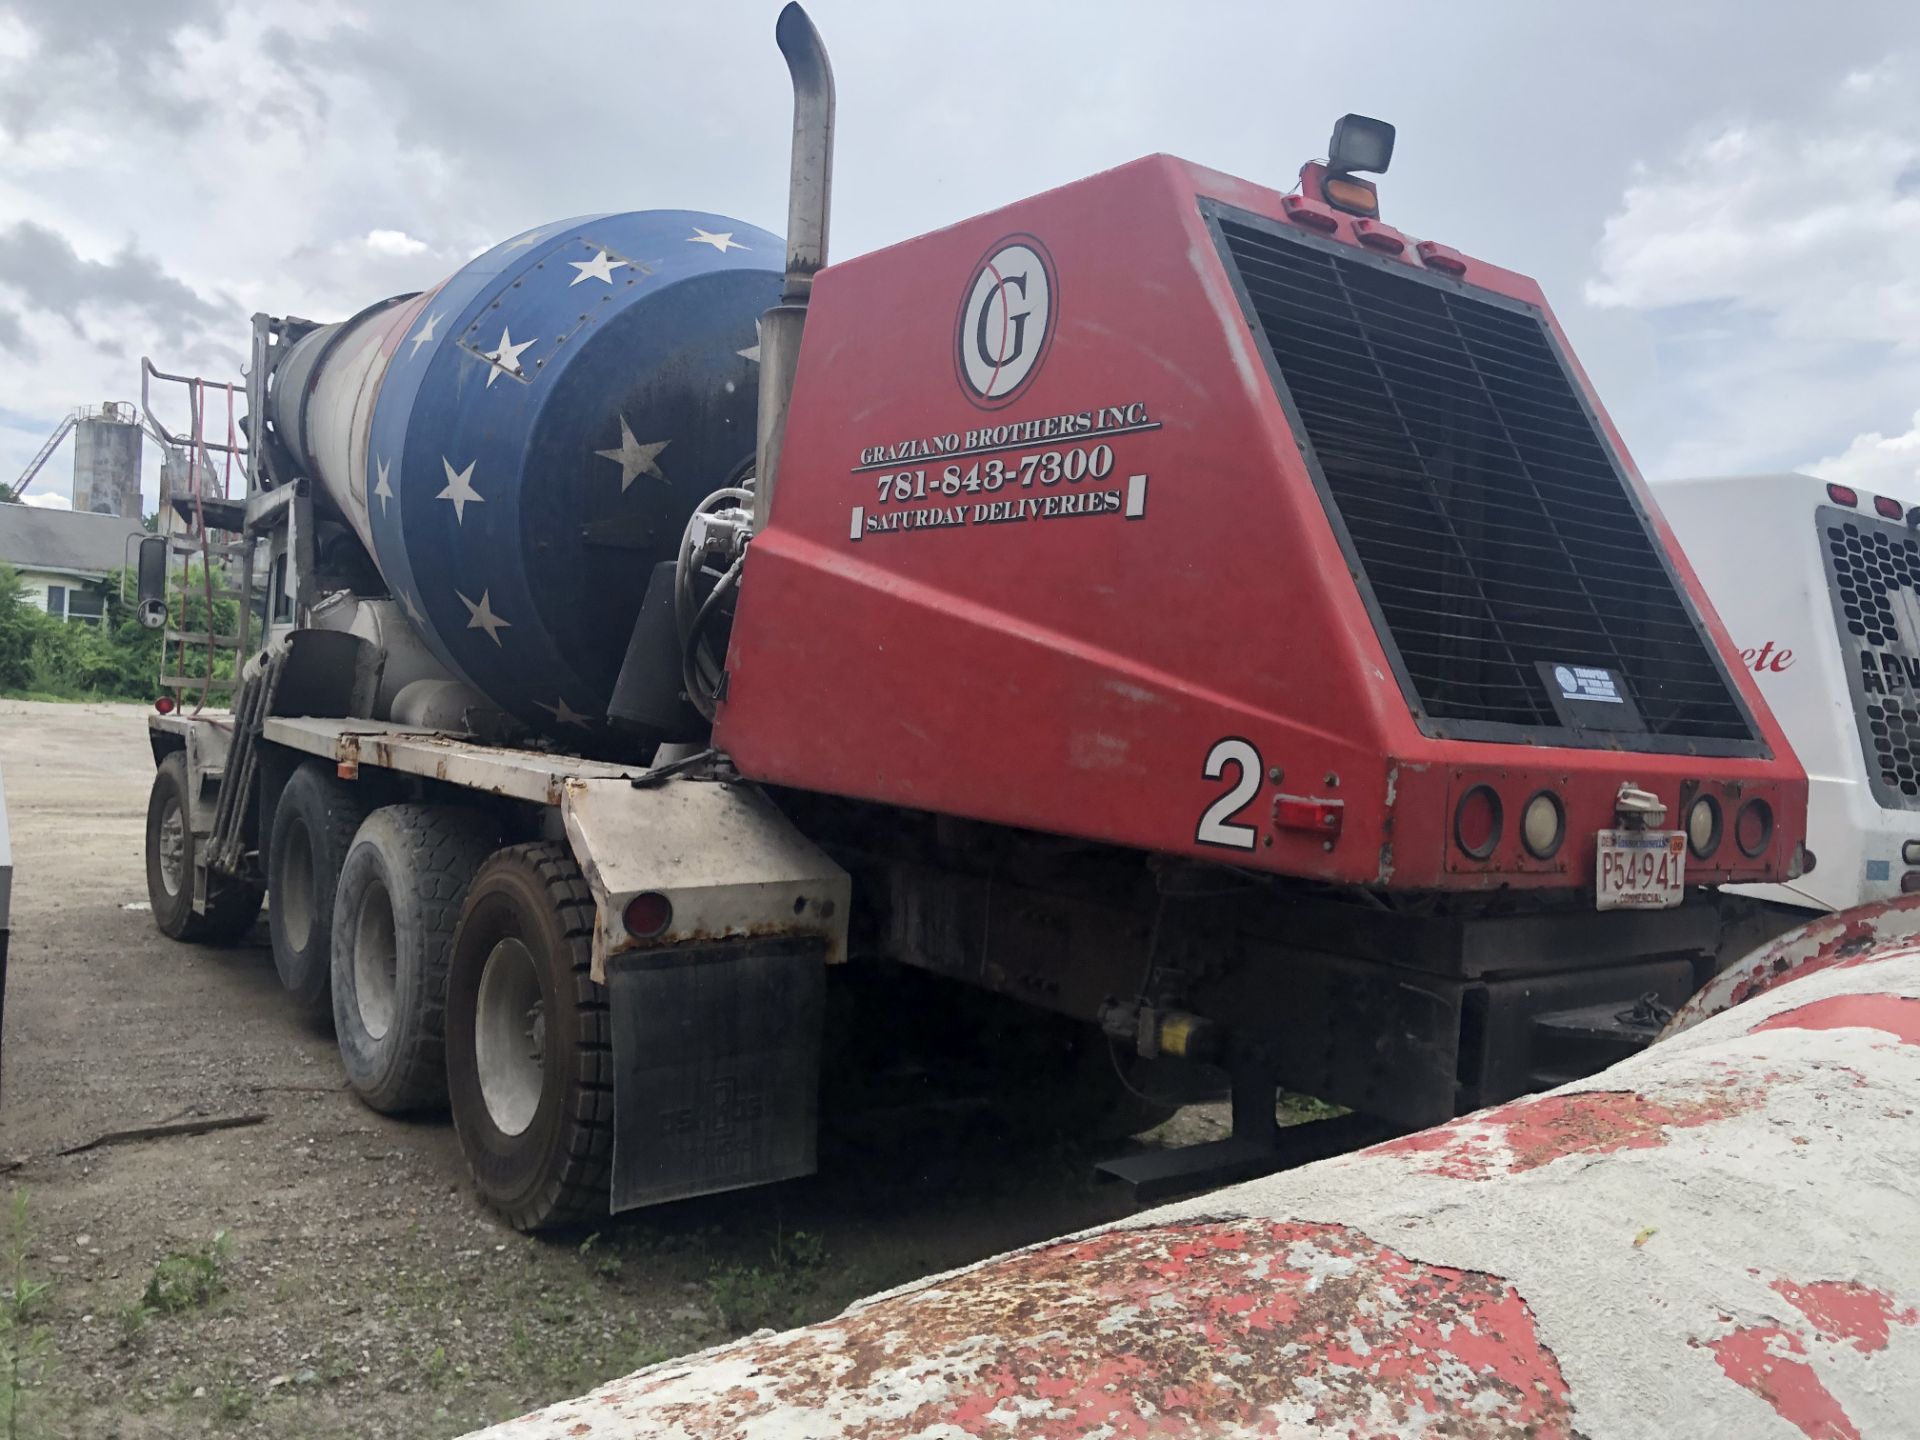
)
(232, 905)
(401, 888)
(529, 1048)
(313, 825)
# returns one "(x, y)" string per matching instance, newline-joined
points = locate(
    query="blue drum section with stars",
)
(548, 419)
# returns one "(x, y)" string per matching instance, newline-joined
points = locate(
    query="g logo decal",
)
(1006, 321)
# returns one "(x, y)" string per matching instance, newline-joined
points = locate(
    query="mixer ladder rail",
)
(206, 510)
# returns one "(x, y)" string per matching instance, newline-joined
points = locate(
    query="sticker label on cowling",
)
(1586, 682)
(1589, 697)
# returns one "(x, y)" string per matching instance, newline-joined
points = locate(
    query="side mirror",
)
(151, 581)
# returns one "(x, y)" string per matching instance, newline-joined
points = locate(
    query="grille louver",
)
(1484, 510)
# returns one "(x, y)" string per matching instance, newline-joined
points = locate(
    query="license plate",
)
(1640, 869)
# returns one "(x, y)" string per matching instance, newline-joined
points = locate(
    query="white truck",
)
(1819, 584)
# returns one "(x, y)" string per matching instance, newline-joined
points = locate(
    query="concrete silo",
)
(106, 460)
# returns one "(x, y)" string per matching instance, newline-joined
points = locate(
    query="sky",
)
(1721, 200)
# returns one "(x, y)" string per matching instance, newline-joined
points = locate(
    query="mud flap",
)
(716, 1053)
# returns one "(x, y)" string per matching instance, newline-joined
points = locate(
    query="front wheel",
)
(232, 905)
(529, 1052)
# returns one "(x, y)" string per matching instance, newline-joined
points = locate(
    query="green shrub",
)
(116, 659)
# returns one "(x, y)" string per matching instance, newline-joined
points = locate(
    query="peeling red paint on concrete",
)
(1761, 1358)
(1247, 1327)
(1845, 1310)
(1649, 1270)
(1897, 1015)
(1779, 1363)
(1537, 1131)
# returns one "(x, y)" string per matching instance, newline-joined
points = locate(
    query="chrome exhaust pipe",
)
(809, 199)
(810, 189)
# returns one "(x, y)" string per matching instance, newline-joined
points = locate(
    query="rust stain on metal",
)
(623, 942)
(1218, 1327)
(1537, 1131)
(1781, 1361)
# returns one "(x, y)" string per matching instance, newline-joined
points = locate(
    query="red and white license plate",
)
(1640, 869)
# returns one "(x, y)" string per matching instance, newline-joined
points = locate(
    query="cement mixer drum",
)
(519, 446)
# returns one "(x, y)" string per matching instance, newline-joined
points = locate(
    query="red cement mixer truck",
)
(1211, 616)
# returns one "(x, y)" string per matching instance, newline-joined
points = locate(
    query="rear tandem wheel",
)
(394, 916)
(314, 823)
(529, 1047)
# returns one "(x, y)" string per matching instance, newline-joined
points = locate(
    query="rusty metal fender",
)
(1714, 1239)
(731, 864)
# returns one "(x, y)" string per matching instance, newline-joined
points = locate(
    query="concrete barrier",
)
(1716, 1240)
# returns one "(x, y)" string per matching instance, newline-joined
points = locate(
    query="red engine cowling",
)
(1166, 510)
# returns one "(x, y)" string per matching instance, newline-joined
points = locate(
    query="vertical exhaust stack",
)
(810, 193)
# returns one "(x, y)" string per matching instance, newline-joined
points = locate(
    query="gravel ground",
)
(359, 1287)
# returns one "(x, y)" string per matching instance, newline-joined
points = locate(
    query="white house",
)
(63, 556)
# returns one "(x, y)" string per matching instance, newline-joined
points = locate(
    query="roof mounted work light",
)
(1360, 143)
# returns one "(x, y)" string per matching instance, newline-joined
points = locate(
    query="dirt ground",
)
(333, 1271)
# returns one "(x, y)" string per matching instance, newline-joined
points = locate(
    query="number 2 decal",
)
(1217, 825)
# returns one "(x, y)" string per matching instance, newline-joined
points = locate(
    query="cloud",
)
(107, 52)
(13, 336)
(1810, 225)
(52, 277)
(394, 242)
(1775, 265)
(47, 500)
(1889, 464)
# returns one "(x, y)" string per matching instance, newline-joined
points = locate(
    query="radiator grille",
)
(1873, 572)
(1484, 510)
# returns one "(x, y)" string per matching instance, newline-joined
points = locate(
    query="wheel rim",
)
(173, 847)
(376, 963)
(295, 886)
(510, 1037)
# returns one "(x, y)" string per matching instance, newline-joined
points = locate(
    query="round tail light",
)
(1543, 825)
(1753, 828)
(647, 915)
(1703, 827)
(1476, 822)
(164, 704)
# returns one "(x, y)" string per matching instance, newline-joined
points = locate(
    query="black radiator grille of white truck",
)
(1873, 574)
(1485, 514)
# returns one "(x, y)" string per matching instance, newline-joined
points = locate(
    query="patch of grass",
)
(335, 1363)
(187, 1280)
(133, 1323)
(605, 1263)
(25, 1343)
(775, 1295)
(1297, 1109)
(232, 1398)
